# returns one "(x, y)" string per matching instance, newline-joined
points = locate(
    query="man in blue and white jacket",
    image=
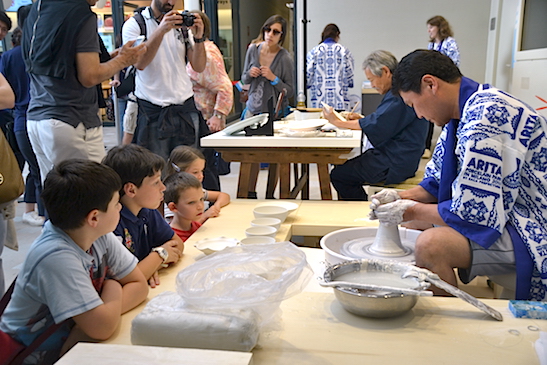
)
(485, 189)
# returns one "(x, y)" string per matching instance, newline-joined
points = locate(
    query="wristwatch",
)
(219, 116)
(162, 252)
(200, 40)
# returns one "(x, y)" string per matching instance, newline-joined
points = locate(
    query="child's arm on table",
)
(101, 322)
(220, 200)
(152, 263)
(135, 289)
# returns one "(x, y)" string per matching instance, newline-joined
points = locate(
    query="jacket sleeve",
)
(348, 69)
(249, 59)
(310, 68)
(215, 79)
(389, 119)
(286, 77)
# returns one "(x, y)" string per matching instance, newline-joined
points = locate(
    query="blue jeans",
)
(33, 184)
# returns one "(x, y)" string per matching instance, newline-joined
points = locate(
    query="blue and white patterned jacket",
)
(448, 47)
(329, 74)
(489, 172)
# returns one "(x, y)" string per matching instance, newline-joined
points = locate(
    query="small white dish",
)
(260, 231)
(267, 221)
(211, 245)
(273, 211)
(306, 125)
(258, 240)
(290, 206)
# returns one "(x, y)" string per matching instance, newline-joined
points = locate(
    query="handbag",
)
(14, 352)
(11, 180)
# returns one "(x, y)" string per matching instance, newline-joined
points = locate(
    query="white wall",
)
(400, 27)
(501, 44)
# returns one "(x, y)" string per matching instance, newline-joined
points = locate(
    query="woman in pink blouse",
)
(213, 91)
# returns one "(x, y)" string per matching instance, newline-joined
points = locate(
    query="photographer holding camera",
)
(167, 115)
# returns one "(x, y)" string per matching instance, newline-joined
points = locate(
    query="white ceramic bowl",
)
(257, 240)
(289, 205)
(267, 221)
(260, 231)
(272, 211)
(211, 245)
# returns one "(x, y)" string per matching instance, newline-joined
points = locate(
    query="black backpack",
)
(127, 85)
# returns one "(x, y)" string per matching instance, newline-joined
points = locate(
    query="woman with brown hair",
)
(441, 38)
(213, 90)
(269, 68)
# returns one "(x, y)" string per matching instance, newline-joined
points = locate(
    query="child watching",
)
(76, 268)
(191, 160)
(142, 229)
(184, 197)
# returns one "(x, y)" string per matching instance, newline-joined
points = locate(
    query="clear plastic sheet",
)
(256, 277)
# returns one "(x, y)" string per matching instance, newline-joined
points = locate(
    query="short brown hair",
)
(178, 183)
(75, 187)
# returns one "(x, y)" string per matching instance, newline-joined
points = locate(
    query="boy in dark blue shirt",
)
(142, 229)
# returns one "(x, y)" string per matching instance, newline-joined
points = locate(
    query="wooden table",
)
(315, 329)
(282, 151)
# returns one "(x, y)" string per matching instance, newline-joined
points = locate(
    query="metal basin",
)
(368, 303)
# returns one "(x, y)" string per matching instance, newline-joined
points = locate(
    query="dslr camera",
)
(187, 19)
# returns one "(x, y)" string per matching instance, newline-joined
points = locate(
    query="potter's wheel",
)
(358, 243)
(362, 248)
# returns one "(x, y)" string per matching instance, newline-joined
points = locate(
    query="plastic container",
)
(528, 309)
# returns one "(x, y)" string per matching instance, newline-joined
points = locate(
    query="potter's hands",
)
(383, 197)
(393, 213)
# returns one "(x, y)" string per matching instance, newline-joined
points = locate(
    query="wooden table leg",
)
(255, 168)
(284, 180)
(301, 184)
(306, 188)
(244, 179)
(273, 176)
(324, 181)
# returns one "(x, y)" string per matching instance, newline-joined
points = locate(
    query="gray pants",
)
(499, 259)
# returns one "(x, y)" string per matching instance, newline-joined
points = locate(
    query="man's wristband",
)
(275, 81)
(200, 40)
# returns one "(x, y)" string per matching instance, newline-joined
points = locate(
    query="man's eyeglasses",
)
(274, 31)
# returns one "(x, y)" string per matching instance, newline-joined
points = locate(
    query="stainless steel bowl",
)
(370, 303)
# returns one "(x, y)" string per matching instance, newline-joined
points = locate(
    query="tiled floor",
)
(26, 234)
